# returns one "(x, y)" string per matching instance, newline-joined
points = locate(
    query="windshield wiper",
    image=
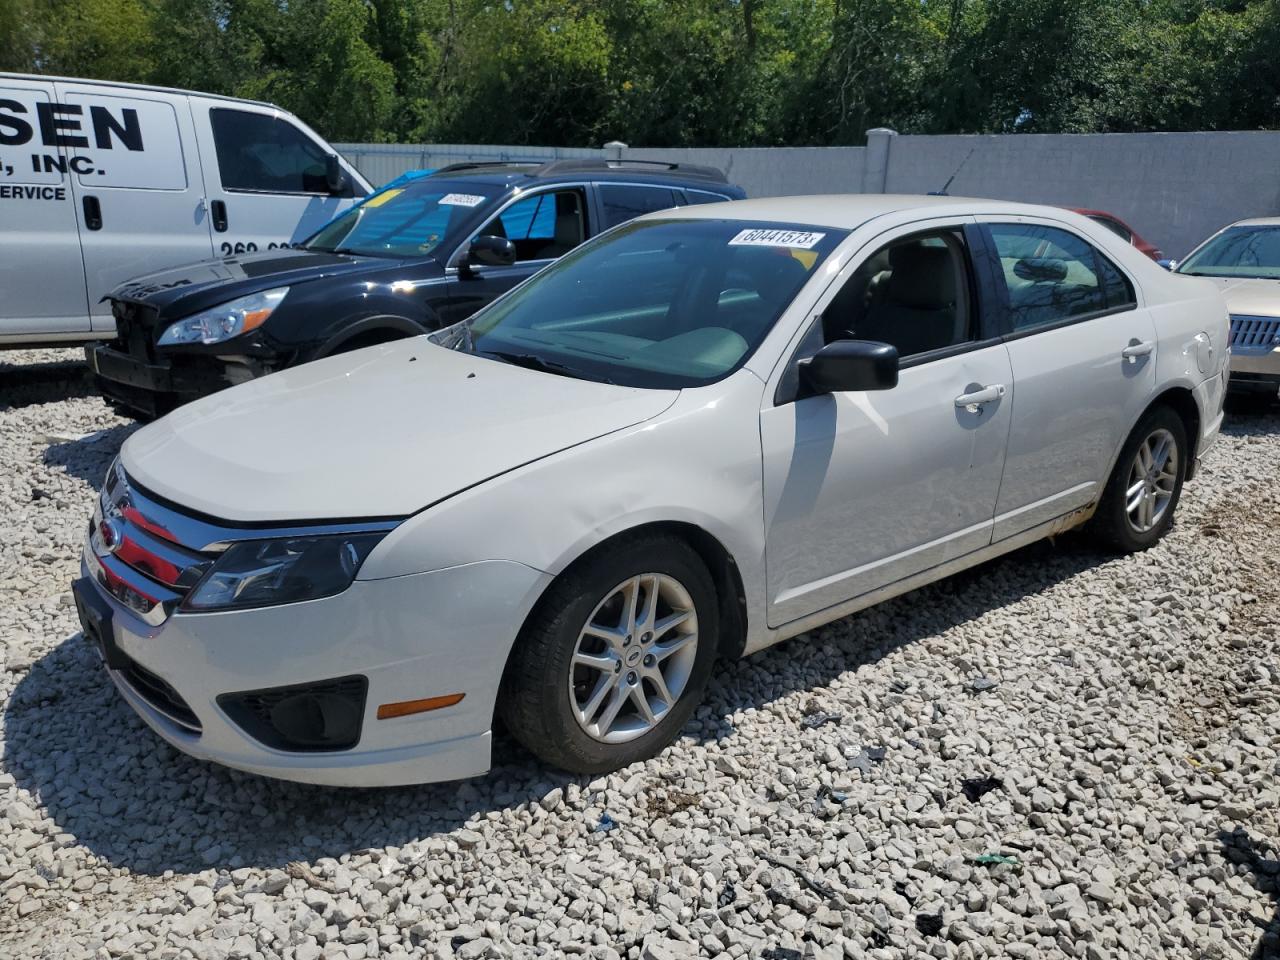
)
(532, 361)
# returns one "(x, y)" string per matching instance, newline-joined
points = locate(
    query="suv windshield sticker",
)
(379, 199)
(461, 200)
(798, 239)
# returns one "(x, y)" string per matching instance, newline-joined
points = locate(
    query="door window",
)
(913, 293)
(1052, 276)
(1115, 227)
(623, 202)
(701, 196)
(262, 153)
(543, 226)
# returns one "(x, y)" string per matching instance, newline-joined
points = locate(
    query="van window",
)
(264, 154)
(701, 196)
(116, 126)
(623, 202)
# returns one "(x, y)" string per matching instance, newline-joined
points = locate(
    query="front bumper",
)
(155, 388)
(412, 637)
(1255, 371)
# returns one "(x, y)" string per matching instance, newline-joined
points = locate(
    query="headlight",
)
(259, 573)
(224, 321)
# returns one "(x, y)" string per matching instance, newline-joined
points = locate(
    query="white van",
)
(101, 182)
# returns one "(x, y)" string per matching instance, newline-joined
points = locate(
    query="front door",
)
(1083, 356)
(41, 271)
(864, 489)
(543, 227)
(136, 180)
(265, 178)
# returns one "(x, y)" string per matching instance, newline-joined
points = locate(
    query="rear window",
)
(623, 202)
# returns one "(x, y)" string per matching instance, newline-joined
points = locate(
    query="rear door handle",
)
(218, 211)
(973, 402)
(92, 213)
(1138, 348)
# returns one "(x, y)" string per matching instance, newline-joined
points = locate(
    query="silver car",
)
(701, 433)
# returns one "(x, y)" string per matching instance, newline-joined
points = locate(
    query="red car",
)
(1122, 230)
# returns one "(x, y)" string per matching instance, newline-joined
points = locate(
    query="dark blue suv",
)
(419, 254)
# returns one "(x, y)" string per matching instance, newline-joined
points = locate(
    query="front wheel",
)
(615, 658)
(1137, 506)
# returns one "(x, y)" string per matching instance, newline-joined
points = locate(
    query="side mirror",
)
(1168, 264)
(850, 365)
(335, 178)
(491, 251)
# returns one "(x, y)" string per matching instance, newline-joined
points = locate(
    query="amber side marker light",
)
(406, 707)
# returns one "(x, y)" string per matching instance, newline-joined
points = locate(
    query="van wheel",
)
(615, 658)
(1142, 493)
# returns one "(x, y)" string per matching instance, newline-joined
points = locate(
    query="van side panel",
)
(135, 173)
(42, 286)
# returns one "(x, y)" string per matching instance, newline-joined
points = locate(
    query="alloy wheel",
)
(1153, 477)
(633, 658)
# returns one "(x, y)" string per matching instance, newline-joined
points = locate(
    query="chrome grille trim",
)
(149, 556)
(1252, 334)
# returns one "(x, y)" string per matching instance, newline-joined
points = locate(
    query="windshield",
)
(403, 221)
(1238, 252)
(655, 303)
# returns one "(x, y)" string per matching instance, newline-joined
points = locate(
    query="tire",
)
(543, 687)
(1114, 525)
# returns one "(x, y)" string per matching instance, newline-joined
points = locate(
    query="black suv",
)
(421, 253)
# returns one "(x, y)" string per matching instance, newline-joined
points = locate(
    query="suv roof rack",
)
(690, 170)
(483, 164)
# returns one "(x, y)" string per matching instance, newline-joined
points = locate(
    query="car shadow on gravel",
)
(1243, 850)
(87, 458)
(24, 385)
(135, 802)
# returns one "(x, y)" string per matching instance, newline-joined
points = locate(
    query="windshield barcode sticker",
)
(797, 239)
(461, 200)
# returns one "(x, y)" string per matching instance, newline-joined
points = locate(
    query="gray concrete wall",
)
(1173, 188)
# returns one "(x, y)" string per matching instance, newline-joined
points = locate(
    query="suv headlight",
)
(260, 573)
(224, 321)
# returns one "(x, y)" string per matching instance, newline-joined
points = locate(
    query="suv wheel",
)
(613, 662)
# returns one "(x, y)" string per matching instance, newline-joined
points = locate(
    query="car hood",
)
(379, 432)
(181, 291)
(1250, 297)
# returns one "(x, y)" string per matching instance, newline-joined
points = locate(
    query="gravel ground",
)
(1059, 754)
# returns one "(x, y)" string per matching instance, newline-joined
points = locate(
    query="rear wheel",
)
(613, 662)
(1138, 504)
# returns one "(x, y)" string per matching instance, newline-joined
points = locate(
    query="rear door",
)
(135, 178)
(41, 271)
(1083, 352)
(265, 176)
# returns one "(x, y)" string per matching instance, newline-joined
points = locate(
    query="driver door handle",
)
(973, 402)
(1138, 348)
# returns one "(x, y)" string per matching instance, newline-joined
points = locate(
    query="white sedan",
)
(704, 432)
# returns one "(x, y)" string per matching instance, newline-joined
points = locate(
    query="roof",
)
(42, 78)
(512, 171)
(1257, 222)
(847, 211)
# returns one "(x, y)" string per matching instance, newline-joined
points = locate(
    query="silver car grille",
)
(1254, 334)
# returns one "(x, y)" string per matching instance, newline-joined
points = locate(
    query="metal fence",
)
(1173, 188)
